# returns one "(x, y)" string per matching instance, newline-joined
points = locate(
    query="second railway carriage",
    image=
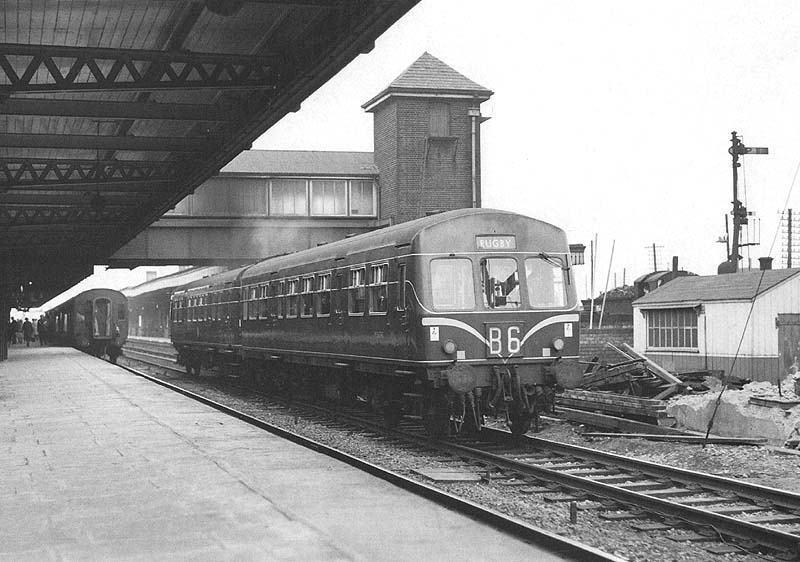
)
(450, 317)
(95, 321)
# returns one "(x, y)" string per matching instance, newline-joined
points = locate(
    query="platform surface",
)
(98, 464)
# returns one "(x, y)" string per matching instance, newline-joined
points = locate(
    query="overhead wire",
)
(752, 305)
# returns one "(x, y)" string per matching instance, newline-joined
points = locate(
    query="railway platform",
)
(99, 464)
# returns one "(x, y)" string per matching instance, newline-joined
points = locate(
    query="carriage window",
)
(251, 306)
(323, 294)
(452, 285)
(545, 280)
(280, 290)
(260, 308)
(294, 297)
(378, 291)
(401, 289)
(307, 297)
(121, 312)
(101, 322)
(357, 293)
(500, 283)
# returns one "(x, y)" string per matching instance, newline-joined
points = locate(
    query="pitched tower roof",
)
(429, 76)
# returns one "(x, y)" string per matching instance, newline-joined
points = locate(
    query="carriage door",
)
(789, 340)
(101, 320)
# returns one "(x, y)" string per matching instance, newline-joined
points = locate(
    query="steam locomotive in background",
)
(94, 321)
(450, 317)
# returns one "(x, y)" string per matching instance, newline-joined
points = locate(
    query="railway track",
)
(722, 514)
(564, 548)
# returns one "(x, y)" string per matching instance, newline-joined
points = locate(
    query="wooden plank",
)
(613, 422)
(773, 402)
(612, 398)
(611, 408)
(684, 438)
(618, 350)
(653, 366)
(667, 392)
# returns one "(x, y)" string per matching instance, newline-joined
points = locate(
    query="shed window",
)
(362, 198)
(287, 197)
(672, 328)
(328, 197)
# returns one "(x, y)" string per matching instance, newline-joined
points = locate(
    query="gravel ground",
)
(761, 465)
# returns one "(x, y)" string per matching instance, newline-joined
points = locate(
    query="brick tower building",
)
(427, 141)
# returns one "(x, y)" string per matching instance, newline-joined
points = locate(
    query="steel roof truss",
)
(108, 142)
(61, 216)
(112, 110)
(57, 173)
(96, 69)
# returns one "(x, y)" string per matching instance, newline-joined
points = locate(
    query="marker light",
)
(558, 344)
(449, 347)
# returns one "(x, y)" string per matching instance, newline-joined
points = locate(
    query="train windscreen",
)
(545, 281)
(500, 283)
(451, 284)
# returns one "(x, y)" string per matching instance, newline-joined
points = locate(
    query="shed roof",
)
(303, 163)
(728, 287)
(429, 75)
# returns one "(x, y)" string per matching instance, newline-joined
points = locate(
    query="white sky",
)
(608, 118)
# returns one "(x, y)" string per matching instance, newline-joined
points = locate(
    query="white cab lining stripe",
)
(439, 321)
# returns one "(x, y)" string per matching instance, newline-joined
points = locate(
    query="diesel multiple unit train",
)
(451, 317)
(94, 321)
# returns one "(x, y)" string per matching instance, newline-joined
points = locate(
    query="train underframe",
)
(453, 400)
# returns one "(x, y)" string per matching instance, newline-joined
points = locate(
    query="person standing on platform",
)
(41, 327)
(27, 332)
(12, 332)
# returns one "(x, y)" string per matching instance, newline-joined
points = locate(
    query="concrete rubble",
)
(736, 416)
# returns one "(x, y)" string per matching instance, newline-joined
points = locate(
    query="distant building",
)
(427, 159)
(617, 312)
(708, 322)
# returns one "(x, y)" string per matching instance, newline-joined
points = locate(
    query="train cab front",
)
(501, 334)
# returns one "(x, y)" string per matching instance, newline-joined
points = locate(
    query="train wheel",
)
(436, 413)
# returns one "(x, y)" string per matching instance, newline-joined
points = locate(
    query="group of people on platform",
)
(25, 331)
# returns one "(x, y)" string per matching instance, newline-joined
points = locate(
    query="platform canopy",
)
(112, 111)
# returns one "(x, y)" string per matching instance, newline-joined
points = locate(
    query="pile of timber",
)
(646, 410)
(636, 375)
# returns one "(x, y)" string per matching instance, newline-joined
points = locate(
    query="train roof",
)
(226, 277)
(396, 235)
(84, 294)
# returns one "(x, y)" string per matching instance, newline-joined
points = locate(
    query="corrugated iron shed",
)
(112, 111)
